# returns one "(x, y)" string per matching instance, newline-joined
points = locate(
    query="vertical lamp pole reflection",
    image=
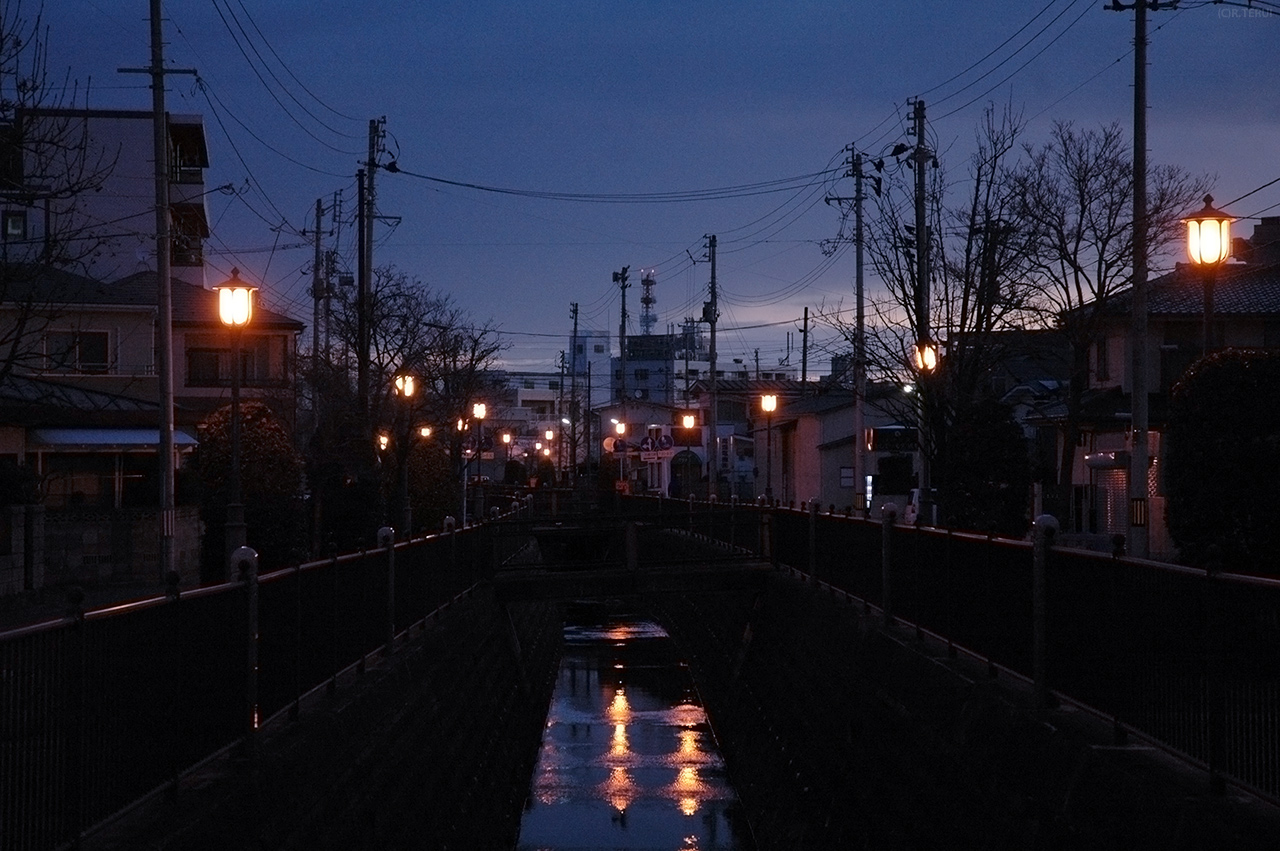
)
(235, 309)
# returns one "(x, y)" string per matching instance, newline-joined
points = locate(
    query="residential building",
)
(108, 232)
(1246, 314)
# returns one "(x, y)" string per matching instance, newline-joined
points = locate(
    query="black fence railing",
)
(1184, 658)
(99, 710)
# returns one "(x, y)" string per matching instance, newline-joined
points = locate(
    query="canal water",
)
(628, 760)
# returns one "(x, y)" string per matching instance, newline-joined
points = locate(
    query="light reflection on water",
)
(627, 757)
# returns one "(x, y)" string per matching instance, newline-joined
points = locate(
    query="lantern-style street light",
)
(404, 389)
(235, 310)
(1208, 245)
(768, 404)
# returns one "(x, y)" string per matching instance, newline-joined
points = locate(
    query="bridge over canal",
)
(869, 686)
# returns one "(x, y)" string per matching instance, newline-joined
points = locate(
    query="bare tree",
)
(979, 260)
(413, 331)
(46, 166)
(1075, 195)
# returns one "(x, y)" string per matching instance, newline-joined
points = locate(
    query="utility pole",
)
(804, 349)
(164, 285)
(317, 294)
(859, 336)
(924, 338)
(362, 310)
(1138, 540)
(859, 346)
(711, 313)
(573, 396)
(620, 278)
(559, 430)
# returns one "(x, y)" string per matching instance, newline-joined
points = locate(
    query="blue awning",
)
(101, 439)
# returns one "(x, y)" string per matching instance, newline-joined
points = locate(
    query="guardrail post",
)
(766, 536)
(1215, 693)
(1046, 527)
(387, 540)
(244, 562)
(888, 517)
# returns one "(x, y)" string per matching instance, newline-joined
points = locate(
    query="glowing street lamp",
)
(235, 310)
(926, 355)
(768, 404)
(1208, 245)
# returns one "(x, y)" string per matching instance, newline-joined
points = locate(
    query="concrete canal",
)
(628, 759)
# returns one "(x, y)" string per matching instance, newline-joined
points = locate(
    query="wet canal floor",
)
(628, 760)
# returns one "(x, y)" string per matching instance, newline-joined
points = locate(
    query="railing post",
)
(813, 540)
(888, 517)
(387, 540)
(767, 549)
(1215, 692)
(1046, 527)
(244, 561)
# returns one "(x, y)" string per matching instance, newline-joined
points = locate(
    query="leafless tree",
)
(1075, 195)
(46, 166)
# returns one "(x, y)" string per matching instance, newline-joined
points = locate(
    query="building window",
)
(579, 349)
(1102, 364)
(77, 351)
(642, 375)
(553, 385)
(846, 477)
(599, 348)
(15, 225)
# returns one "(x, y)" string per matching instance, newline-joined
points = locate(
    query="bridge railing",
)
(99, 709)
(1185, 657)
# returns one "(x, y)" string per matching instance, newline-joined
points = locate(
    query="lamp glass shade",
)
(1209, 235)
(425, 431)
(550, 434)
(689, 420)
(620, 428)
(769, 403)
(235, 305)
(1208, 241)
(404, 385)
(478, 410)
(926, 356)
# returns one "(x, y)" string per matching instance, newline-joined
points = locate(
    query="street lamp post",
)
(768, 404)
(1208, 245)
(404, 389)
(478, 411)
(235, 309)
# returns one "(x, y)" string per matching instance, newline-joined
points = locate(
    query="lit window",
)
(15, 225)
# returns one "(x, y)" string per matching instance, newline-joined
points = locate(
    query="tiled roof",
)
(192, 305)
(1240, 289)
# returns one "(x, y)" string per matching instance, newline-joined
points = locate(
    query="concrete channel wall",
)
(839, 733)
(431, 747)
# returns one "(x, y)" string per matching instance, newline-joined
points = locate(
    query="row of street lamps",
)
(1208, 246)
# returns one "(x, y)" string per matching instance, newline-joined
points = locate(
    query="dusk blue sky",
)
(641, 97)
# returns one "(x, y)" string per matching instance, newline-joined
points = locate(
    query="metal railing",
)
(100, 709)
(1185, 658)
